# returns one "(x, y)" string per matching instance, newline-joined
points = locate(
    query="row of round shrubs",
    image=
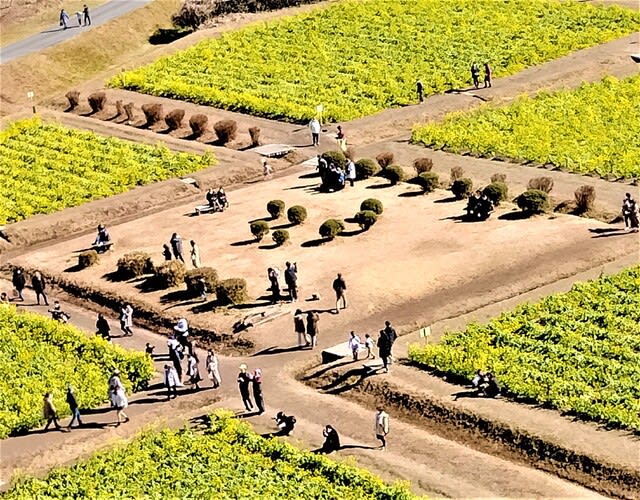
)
(226, 130)
(296, 215)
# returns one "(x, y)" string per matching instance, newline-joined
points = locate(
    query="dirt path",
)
(434, 465)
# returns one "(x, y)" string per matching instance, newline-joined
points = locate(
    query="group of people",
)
(380, 427)
(251, 383)
(486, 384)
(290, 279)
(83, 17)
(125, 317)
(356, 344)
(217, 200)
(479, 206)
(333, 178)
(475, 78)
(38, 284)
(174, 250)
(630, 213)
(306, 327)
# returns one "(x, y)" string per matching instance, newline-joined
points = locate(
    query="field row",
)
(593, 129)
(359, 57)
(39, 355)
(46, 167)
(578, 351)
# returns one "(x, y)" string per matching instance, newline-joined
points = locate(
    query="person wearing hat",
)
(103, 239)
(73, 406)
(182, 332)
(244, 379)
(257, 390)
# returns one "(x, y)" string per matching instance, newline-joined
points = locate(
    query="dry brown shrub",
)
(174, 119)
(457, 173)
(198, 124)
(153, 112)
(254, 132)
(385, 159)
(97, 101)
(499, 178)
(226, 130)
(585, 197)
(422, 165)
(119, 108)
(73, 96)
(541, 183)
(128, 108)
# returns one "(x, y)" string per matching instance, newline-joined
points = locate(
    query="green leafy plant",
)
(88, 259)
(193, 276)
(297, 214)
(365, 219)
(169, 274)
(259, 229)
(280, 236)
(462, 188)
(496, 192)
(393, 173)
(232, 291)
(533, 201)
(366, 168)
(373, 205)
(275, 208)
(331, 228)
(338, 158)
(428, 181)
(134, 264)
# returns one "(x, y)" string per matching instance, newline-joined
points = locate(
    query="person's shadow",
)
(326, 451)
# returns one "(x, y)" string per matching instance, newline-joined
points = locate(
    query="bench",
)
(104, 247)
(204, 209)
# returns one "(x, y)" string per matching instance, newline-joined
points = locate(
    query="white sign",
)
(30, 94)
(425, 332)
(319, 108)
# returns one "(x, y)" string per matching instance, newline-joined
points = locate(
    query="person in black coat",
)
(19, 282)
(102, 327)
(384, 349)
(176, 246)
(291, 279)
(38, 283)
(331, 440)
(256, 383)
(244, 379)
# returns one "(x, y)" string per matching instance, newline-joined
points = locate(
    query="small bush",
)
(169, 274)
(153, 112)
(275, 208)
(428, 181)
(174, 119)
(128, 108)
(226, 130)
(232, 291)
(373, 205)
(73, 96)
(119, 108)
(366, 218)
(280, 236)
(297, 214)
(496, 192)
(541, 183)
(393, 173)
(336, 157)
(88, 259)
(462, 188)
(259, 229)
(331, 228)
(198, 124)
(422, 165)
(134, 264)
(193, 276)
(585, 197)
(499, 178)
(457, 173)
(254, 132)
(384, 159)
(533, 201)
(366, 168)
(97, 101)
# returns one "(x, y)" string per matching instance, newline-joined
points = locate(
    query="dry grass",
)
(77, 60)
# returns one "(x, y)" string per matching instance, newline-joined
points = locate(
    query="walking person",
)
(475, 74)
(39, 284)
(87, 18)
(384, 350)
(314, 126)
(298, 323)
(64, 19)
(195, 254)
(341, 138)
(368, 345)
(166, 252)
(273, 274)
(488, 72)
(193, 371)
(175, 354)
(73, 406)
(354, 345)
(171, 381)
(213, 369)
(244, 379)
(49, 411)
(267, 171)
(19, 282)
(79, 17)
(126, 320)
(420, 90)
(291, 279)
(256, 385)
(340, 287)
(392, 336)
(176, 246)
(312, 327)
(351, 172)
(382, 427)
(102, 327)
(120, 402)
(630, 213)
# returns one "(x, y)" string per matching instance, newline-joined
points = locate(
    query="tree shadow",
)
(250, 305)
(268, 247)
(465, 394)
(411, 194)
(304, 186)
(449, 199)
(113, 276)
(176, 296)
(311, 175)
(351, 220)
(355, 232)
(280, 350)
(360, 446)
(325, 369)
(206, 306)
(268, 218)
(286, 225)
(515, 215)
(73, 269)
(244, 243)
(380, 186)
(314, 243)
(458, 218)
(248, 414)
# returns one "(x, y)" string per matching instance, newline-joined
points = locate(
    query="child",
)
(354, 345)
(369, 344)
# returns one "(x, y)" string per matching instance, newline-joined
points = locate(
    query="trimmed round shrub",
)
(457, 173)
(259, 229)
(496, 192)
(462, 188)
(533, 201)
(153, 112)
(297, 214)
(585, 197)
(384, 159)
(193, 276)
(280, 236)
(134, 264)
(394, 174)
(366, 218)
(73, 96)
(254, 133)
(226, 130)
(97, 101)
(174, 119)
(198, 124)
(366, 168)
(428, 181)
(422, 165)
(232, 291)
(169, 274)
(331, 228)
(275, 208)
(541, 183)
(499, 177)
(373, 205)
(336, 157)
(88, 259)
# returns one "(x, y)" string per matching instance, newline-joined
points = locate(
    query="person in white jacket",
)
(314, 126)
(382, 427)
(213, 369)
(171, 381)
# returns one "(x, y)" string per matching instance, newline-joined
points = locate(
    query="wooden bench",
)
(204, 209)
(105, 247)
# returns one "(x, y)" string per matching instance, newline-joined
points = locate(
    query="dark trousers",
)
(53, 420)
(315, 138)
(172, 390)
(87, 20)
(44, 297)
(351, 181)
(293, 291)
(420, 96)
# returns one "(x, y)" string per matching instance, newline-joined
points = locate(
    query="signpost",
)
(319, 111)
(30, 95)
(425, 333)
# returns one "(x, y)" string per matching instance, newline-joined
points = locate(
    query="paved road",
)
(55, 34)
